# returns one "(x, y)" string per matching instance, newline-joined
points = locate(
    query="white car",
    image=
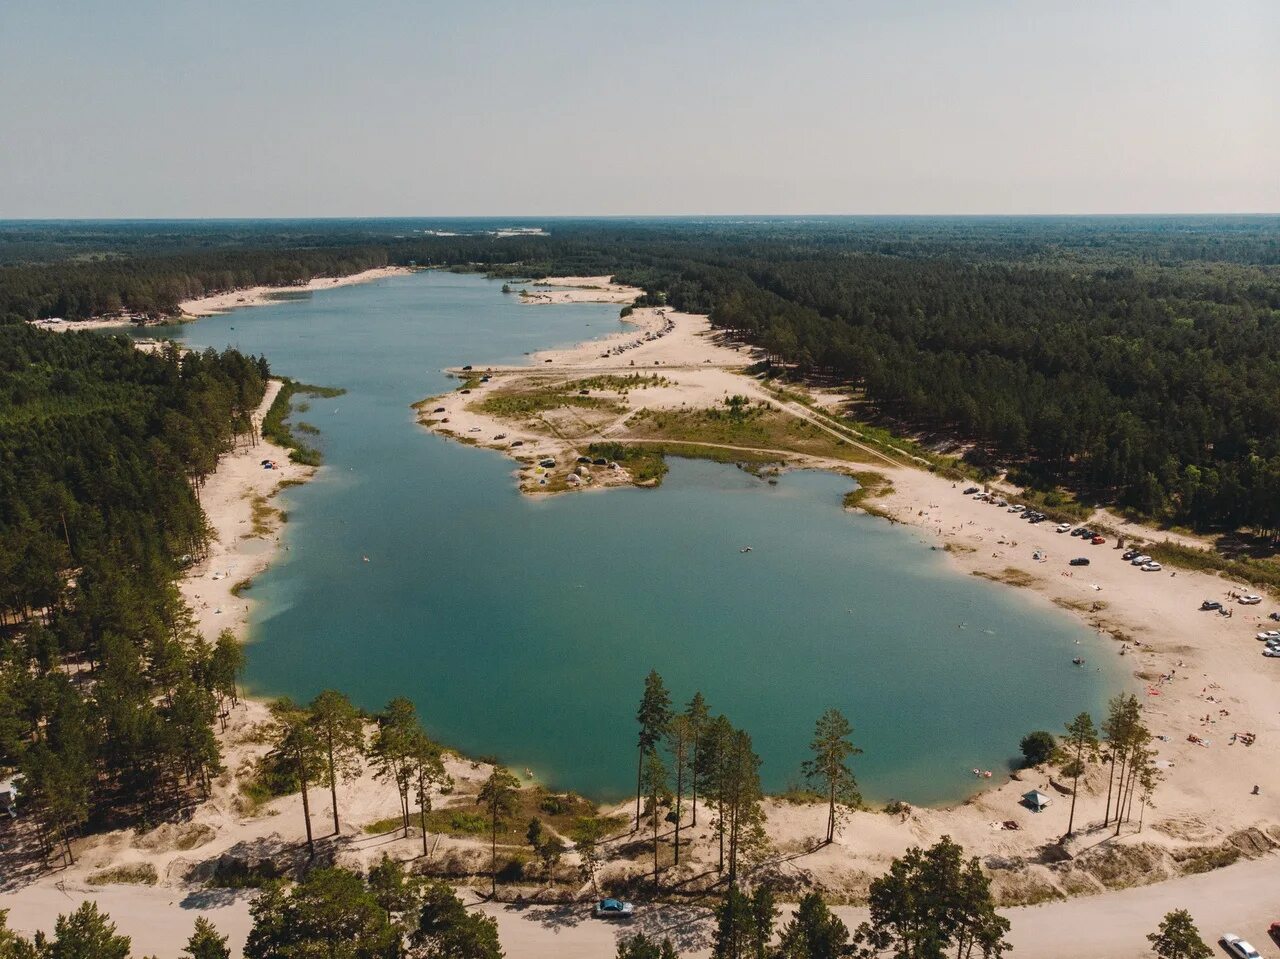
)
(1151, 567)
(1016, 508)
(1272, 651)
(1238, 947)
(1250, 600)
(1063, 527)
(1267, 635)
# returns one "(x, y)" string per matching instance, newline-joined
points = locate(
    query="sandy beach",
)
(223, 302)
(262, 295)
(237, 501)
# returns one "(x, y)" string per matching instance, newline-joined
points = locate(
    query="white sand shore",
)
(578, 289)
(227, 301)
(261, 295)
(237, 503)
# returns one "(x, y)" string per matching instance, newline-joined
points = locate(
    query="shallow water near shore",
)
(523, 628)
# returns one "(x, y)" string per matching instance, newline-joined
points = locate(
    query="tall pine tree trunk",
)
(422, 810)
(333, 785)
(639, 778)
(306, 802)
(693, 783)
(1110, 781)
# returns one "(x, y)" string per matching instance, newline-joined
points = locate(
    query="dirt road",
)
(1242, 899)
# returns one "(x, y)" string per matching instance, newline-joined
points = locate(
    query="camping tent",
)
(1036, 800)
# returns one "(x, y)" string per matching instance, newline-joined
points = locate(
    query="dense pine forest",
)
(107, 696)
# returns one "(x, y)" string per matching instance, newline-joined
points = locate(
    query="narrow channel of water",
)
(523, 628)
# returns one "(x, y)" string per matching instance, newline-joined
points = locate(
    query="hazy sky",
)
(225, 108)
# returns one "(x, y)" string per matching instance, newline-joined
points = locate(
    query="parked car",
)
(1250, 600)
(1267, 635)
(1079, 561)
(1015, 509)
(614, 909)
(1272, 651)
(1097, 540)
(1210, 605)
(1140, 560)
(1151, 567)
(1238, 947)
(1063, 527)
(970, 491)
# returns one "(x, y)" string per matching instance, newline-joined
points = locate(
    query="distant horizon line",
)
(512, 217)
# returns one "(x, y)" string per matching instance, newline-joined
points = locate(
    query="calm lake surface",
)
(523, 628)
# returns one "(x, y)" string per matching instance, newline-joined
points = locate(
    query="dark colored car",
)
(1079, 561)
(1210, 605)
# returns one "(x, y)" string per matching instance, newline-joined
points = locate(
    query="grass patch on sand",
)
(755, 426)
(871, 485)
(1258, 572)
(564, 813)
(516, 403)
(619, 384)
(276, 427)
(1010, 575)
(242, 587)
(646, 460)
(263, 515)
(137, 874)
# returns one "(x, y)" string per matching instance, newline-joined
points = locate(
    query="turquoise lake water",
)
(523, 628)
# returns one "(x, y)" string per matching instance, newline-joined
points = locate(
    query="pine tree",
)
(1082, 742)
(1178, 938)
(829, 765)
(296, 750)
(498, 796)
(205, 943)
(698, 718)
(653, 716)
(339, 730)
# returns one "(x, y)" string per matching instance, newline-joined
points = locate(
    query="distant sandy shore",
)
(263, 295)
(225, 302)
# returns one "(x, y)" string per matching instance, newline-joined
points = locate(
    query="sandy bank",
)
(222, 302)
(577, 289)
(262, 295)
(237, 504)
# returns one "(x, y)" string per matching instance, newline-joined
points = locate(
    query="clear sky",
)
(156, 108)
